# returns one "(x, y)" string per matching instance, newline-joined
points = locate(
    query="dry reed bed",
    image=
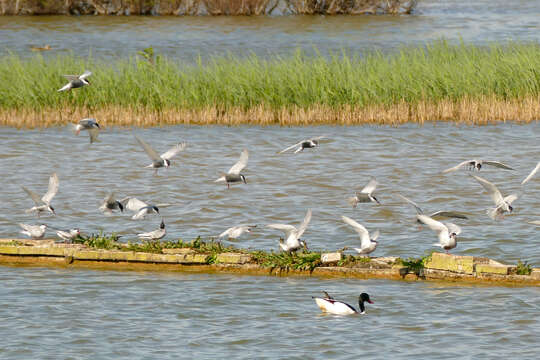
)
(481, 111)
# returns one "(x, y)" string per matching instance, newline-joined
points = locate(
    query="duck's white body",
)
(335, 307)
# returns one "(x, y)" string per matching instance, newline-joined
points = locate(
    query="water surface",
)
(78, 314)
(187, 38)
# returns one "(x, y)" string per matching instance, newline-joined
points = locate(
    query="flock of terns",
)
(292, 241)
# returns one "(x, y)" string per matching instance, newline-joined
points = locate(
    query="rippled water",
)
(72, 314)
(478, 21)
(407, 160)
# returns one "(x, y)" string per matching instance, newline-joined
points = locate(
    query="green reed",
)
(435, 72)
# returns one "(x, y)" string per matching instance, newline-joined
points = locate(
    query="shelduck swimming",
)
(329, 305)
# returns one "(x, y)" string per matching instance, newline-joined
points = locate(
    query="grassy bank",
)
(462, 83)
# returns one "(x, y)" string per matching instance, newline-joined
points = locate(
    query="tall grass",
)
(436, 82)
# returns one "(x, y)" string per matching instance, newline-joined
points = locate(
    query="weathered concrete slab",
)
(331, 257)
(182, 251)
(494, 269)
(233, 258)
(448, 262)
(535, 274)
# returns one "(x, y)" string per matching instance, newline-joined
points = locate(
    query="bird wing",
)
(33, 195)
(26, 227)
(172, 152)
(533, 172)
(93, 134)
(457, 167)
(241, 164)
(133, 204)
(448, 214)
(418, 209)
(287, 229)
(497, 164)
(360, 229)
(432, 224)
(291, 147)
(453, 228)
(227, 232)
(148, 149)
(495, 194)
(72, 77)
(87, 122)
(303, 226)
(510, 198)
(85, 74)
(52, 190)
(370, 187)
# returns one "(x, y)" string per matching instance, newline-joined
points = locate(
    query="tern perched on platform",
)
(140, 208)
(35, 232)
(446, 232)
(236, 231)
(502, 204)
(163, 160)
(154, 235)
(304, 144)
(110, 204)
(365, 195)
(329, 305)
(44, 203)
(367, 244)
(68, 235)
(292, 234)
(76, 81)
(233, 175)
(477, 165)
(444, 214)
(91, 126)
(531, 174)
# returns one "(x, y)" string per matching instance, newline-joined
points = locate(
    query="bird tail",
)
(353, 201)
(298, 150)
(28, 211)
(492, 213)
(221, 179)
(439, 245)
(66, 87)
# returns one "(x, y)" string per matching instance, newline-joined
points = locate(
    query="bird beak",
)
(369, 301)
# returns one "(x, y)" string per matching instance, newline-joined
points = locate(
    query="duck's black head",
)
(162, 225)
(243, 179)
(120, 206)
(364, 297)
(510, 208)
(97, 125)
(478, 166)
(52, 210)
(167, 163)
(155, 208)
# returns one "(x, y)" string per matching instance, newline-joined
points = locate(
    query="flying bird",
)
(110, 204)
(236, 231)
(477, 165)
(233, 175)
(91, 126)
(163, 160)
(365, 195)
(502, 204)
(68, 235)
(531, 174)
(367, 244)
(140, 208)
(292, 234)
(329, 305)
(44, 203)
(437, 214)
(35, 232)
(154, 235)
(446, 232)
(304, 144)
(76, 81)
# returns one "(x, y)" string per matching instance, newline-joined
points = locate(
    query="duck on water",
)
(329, 305)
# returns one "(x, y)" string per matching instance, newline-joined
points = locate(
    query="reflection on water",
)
(280, 188)
(72, 314)
(188, 37)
